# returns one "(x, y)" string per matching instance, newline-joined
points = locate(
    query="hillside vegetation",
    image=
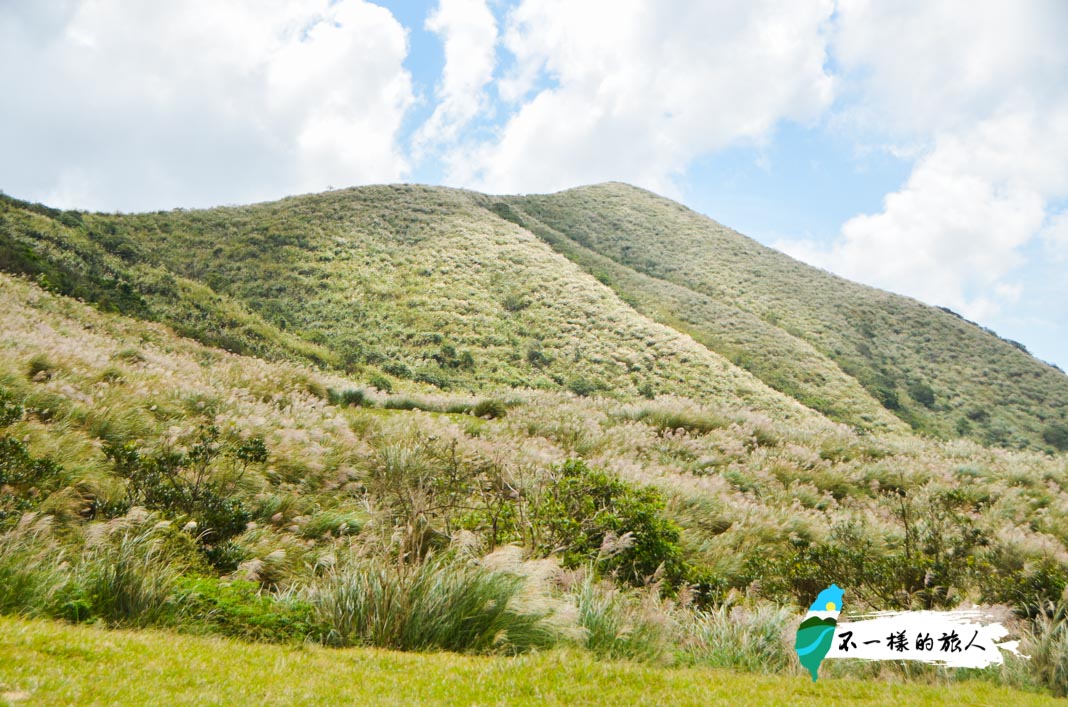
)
(768, 312)
(426, 419)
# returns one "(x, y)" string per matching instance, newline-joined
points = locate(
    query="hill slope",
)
(150, 480)
(418, 283)
(800, 329)
(606, 289)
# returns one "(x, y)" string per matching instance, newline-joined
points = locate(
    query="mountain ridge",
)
(461, 290)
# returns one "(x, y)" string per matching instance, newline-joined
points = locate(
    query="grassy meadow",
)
(260, 441)
(43, 663)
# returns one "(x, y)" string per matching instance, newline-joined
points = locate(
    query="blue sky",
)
(917, 146)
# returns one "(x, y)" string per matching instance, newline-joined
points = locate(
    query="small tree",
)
(198, 484)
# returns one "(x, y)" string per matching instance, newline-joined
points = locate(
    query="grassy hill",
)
(606, 289)
(427, 419)
(396, 282)
(777, 318)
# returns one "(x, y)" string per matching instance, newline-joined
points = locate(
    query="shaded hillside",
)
(768, 312)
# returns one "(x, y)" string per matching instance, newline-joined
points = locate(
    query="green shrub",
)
(593, 516)
(25, 480)
(585, 387)
(538, 358)
(929, 566)
(515, 301)
(10, 411)
(1056, 434)
(241, 609)
(381, 383)
(922, 393)
(1027, 586)
(347, 398)
(433, 378)
(395, 368)
(198, 484)
(489, 408)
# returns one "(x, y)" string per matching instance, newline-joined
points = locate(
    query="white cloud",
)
(469, 32)
(926, 66)
(983, 87)
(123, 104)
(636, 90)
(1055, 235)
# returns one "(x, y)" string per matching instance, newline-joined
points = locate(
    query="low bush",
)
(242, 609)
(441, 603)
(381, 383)
(587, 515)
(195, 485)
(347, 398)
(489, 408)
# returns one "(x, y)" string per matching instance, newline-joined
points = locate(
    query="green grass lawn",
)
(51, 663)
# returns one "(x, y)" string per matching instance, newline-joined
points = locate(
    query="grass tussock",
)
(441, 603)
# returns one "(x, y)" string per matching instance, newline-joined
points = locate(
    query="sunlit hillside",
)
(427, 419)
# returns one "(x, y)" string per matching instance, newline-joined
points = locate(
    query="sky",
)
(919, 146)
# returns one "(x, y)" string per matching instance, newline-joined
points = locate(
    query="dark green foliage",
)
(515, 302)
(198, 484)
(887, 396)
(395, 368)
(1028, 587)
(381, 383)
(434, 378)
(449, 357)
(10, 411)
(937, 556)
(1056, 434)
(538, 358)
(25, 480)
(922, 393)
(489, 408)
(583, 509)
(585, 387)
(347, 398)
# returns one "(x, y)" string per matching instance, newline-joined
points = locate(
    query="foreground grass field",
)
(50, 663)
